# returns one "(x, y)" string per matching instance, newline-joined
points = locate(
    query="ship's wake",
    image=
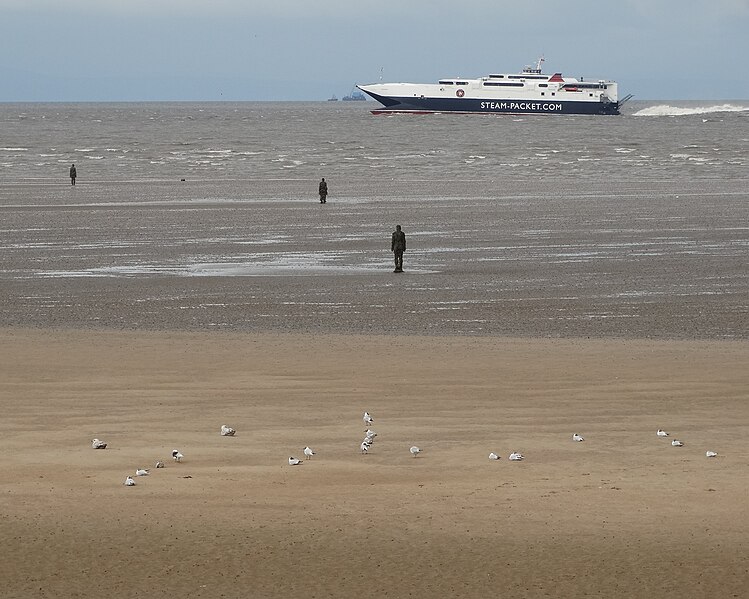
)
(668, 110)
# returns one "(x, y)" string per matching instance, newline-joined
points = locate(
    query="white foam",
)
(668, 110)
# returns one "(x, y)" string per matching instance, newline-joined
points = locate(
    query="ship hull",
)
(427, 105)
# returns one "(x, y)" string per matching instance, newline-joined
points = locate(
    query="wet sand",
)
(541, 258)
(623, 514)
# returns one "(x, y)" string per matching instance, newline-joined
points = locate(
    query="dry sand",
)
(623, 514)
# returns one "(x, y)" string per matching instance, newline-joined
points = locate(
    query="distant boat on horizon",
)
(355, 96)
(333, 98)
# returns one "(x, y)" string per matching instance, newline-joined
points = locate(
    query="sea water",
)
(283, 140)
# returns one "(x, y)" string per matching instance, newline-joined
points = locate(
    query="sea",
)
(651, 140)
(205, 216)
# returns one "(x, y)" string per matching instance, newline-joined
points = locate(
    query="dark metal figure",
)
(398, 246)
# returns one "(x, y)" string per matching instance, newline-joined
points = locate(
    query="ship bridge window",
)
(461, 83)
(447, 83)
(496, 76)
(543, 85)
(527, 77)
(503, 84)
(588, 85)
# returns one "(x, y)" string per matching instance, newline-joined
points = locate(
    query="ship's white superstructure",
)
(529, 91)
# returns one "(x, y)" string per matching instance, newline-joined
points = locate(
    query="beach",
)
(622, 514)
(571, 275)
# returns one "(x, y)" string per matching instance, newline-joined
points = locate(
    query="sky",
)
(189, 50)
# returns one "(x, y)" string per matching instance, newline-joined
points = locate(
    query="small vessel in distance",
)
(355, 96)
(527, 92)
(333, 99)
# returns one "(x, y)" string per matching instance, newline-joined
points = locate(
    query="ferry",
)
(527, 92)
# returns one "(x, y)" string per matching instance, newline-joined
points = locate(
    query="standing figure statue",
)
(73, 174)
(323, 191)
(398, 246)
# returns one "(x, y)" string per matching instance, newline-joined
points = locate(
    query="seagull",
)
(227, 431)
(159, 464)
(295, 461)
(367, 419)
(141, 472)
(370, 433)
(96, 444)
(578, 437)
(711, 454)
(364, 446)
(177, 455)
(308, 452)
(415, 451)
(677, 443)
(662, 433)
(493, 456)
(516, 456)
(129, 482)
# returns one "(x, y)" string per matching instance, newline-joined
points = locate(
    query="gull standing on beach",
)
(367, 419)
(415, 451)
(365, 445)
(578, 437)
(177, 455)
(308, 452)
(96, 444)
(227, 431)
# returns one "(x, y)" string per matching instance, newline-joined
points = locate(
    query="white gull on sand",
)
(96, 444)
(516, 456)
(129, 481)
(662, 433)
(159, 464)
(711, 454)
(493, 456)
(227, 431)
(365, 445)
(177, 455)
(308, 452)
(367, 419)
(677, 443)
(578, 437)
(415, 451)
(141, 472)
(294, 461)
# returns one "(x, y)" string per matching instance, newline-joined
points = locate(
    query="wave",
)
(667, 110)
